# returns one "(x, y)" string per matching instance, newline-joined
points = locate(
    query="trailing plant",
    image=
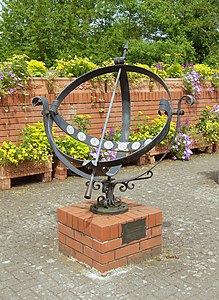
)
(14, 75)
(181, 147)
(191, 81)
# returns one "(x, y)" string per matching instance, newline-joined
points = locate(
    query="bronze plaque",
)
(133, 231)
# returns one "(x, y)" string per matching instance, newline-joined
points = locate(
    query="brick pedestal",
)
(100, 241)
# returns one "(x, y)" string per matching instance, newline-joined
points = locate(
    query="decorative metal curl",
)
(126, 186)
(95, 186)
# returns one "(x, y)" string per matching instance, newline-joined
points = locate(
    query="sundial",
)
(126, 152)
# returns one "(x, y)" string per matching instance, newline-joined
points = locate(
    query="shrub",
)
(37, 68)
(147, 129)
(74, 67)
(73, 147)
(208, 123)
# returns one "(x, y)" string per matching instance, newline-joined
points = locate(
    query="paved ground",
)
(187, 192)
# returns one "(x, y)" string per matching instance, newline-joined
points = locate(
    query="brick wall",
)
(17, 111)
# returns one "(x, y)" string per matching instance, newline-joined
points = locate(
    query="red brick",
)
(87, 226)
(156, 241)
(97, 256)
(152, 221)
(62, 216)
(66, 250)
(111, 265)
(132, 215)
(74, 244)
(114, 231)
(148, 233)
(87, 215)
(156, 231)
(104, 228)
(83, 258)
(69, 219)
(100, 231)
(135, 257)
(107, 246)
(68, 231)
(124, 218)
(159, 218)
(61, 237)
(127, 250)
(84, 239)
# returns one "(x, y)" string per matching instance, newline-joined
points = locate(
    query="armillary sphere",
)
(126, 152)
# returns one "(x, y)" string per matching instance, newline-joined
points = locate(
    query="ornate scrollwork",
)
(95, 186)
(126, 186)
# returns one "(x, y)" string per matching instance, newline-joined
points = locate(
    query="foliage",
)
(159, 69)
(208, 123)
(196, 136)
(47, 30)
(33, 145)
(14, 75)
(82, 122)
(73, 147)
(35, 136)
(74, 67)
(112, 134)
(36, 68)
(204, 70)
(147, 129)
(174, 71)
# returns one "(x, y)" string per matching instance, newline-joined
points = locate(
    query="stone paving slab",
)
(187, 193)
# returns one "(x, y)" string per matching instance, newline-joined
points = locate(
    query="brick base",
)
(96, 240)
